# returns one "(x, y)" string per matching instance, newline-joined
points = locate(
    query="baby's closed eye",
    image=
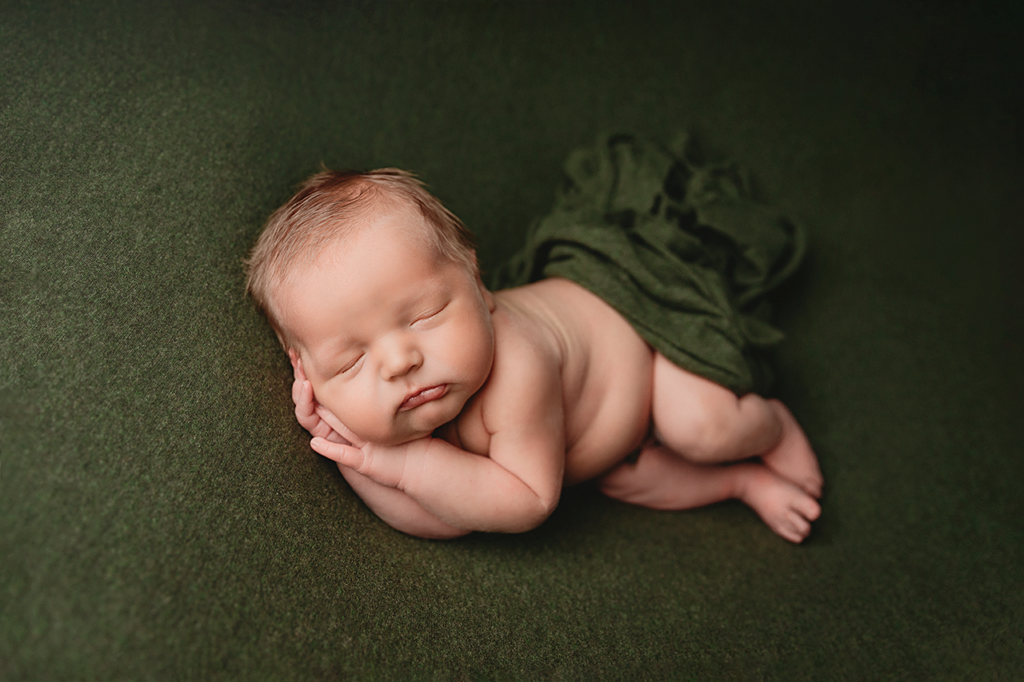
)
(351, 364)
(431, 317)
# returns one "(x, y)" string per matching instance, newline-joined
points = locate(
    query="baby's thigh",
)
(692, 415)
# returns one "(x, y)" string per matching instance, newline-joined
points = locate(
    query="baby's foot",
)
(793, 458)
(785, 508)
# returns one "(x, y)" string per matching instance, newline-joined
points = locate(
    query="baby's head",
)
(373, 285)
(331, 205)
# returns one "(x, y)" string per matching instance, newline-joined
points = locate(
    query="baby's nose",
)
(400, 359)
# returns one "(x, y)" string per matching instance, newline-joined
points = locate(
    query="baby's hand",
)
(385, 464)
(333, 440)
(306, 406)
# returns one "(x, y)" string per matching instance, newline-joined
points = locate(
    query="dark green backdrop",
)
(162, 517)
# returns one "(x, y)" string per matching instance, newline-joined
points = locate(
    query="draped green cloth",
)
(681, 250)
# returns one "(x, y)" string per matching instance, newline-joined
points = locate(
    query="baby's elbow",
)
(533, 515)
(424, 526)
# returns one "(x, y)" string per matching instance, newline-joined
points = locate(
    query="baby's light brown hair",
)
(327, 207)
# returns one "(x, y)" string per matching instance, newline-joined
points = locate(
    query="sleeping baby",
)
(626, 353)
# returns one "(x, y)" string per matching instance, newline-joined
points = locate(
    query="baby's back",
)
(606, 371)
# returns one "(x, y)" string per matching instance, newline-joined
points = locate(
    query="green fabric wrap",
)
(680, 250)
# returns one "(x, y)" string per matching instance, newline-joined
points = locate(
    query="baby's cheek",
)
(365, 421)
(338, 406)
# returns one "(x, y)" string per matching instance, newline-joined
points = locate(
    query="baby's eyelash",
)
(351, 365)
(433, 313)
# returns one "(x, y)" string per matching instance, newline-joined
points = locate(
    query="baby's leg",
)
(708, 424)
(792, 457)
(662, 480)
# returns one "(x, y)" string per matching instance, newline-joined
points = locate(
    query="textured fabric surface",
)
(682, 251)
(163, 517)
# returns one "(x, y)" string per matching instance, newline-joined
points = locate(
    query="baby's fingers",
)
(335, 437)
(300, 373)
(343, 454)
(305, 406)
(328, 417)
(385, 470)
(300, 378)
(306, 414)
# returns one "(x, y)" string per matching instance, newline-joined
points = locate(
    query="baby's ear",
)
(294, 357)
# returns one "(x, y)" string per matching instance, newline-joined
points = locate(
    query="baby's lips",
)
(424, 396)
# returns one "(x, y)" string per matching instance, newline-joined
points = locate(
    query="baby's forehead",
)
(343, 232)
(304, 285)
(343, 242)
(404, 222)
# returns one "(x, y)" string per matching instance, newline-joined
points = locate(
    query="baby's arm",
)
(398, 510)
(513, 489)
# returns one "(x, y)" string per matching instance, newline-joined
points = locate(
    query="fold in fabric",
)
(682, 251)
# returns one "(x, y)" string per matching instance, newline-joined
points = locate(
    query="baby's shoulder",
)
(527, 359)
(524, 384)
(567, 320)
(523, 344)
(541, 314)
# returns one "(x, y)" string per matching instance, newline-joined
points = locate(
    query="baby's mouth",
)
(424, 396)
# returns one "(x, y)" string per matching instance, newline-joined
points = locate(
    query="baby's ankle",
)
(746, 478)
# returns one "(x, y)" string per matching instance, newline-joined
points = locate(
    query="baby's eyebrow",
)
(323, 358)
(423, 294)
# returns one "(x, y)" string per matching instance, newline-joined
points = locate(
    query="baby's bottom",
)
(704, 434)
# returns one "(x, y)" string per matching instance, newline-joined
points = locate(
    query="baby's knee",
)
(713, 440)
(704, 432)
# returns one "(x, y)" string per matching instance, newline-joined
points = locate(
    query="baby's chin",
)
(427, 419)
(400, 437)
(418, 423)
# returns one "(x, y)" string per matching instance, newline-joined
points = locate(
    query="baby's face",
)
(393, 339)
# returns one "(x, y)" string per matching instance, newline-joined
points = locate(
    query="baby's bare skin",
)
(605, 370)
(571, 389)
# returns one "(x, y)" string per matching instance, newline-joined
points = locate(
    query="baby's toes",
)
(807, 507)
(813, 484)
(790, 526)
(810, 482)
(799, 527)
(796, 525)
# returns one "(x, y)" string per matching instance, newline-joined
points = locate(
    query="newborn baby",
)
(450, 408)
